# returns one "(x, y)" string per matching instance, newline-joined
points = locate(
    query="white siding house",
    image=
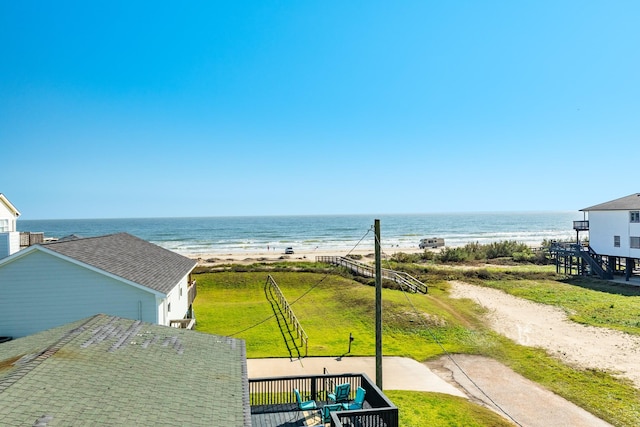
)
(9, 237)
(614, 227)
(50, 284)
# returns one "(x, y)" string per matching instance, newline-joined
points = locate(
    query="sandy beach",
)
(367, 255)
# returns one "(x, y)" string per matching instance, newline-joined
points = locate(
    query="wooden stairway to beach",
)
(575, 255)
(366, 270)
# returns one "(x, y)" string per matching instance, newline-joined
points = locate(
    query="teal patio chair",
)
(358, 402)
(305, 405)
(341, 393)
(327, 409)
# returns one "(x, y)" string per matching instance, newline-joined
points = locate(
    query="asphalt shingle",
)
(128, 257)
(107, 370)
(631, 202)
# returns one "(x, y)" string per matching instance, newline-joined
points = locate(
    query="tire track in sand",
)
(539, 325)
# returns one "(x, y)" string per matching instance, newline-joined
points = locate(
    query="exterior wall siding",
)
(39, 291)
(604, 225)
(5, 244)
(9, 243)
(634, 230)
(178, 300)
(6, 213)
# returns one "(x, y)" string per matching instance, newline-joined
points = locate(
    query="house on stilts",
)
(613, 247)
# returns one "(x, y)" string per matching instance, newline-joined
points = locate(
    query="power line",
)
(327, 274)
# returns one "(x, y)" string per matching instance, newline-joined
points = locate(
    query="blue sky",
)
(158, 109)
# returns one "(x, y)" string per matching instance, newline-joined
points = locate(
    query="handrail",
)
(301, 334)
(596, 262)
(182, 323)
(587, 253)
(367, 270)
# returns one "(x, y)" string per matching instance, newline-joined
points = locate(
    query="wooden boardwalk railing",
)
(413, 284)
(291, 317)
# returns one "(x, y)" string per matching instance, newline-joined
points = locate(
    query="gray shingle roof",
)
(631, 202)
(111, 371)
(128, 257)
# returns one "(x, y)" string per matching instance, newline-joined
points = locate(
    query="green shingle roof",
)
(111, 371)
(128, 257)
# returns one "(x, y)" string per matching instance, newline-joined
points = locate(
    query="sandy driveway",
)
(540, 325)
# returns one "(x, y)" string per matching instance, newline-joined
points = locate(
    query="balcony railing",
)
(273, 401)
(182, 323)
(581, 225)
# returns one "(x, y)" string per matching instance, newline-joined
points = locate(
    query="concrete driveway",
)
(492, 384)
(398, 373)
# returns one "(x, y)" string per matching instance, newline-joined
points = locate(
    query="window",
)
(169, 307)
(634, 242)
(4, 225)
(634, 216)
(616, 241)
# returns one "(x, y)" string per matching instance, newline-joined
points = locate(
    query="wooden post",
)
(378, 306)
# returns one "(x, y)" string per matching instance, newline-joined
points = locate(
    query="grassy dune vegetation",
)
(331, 304)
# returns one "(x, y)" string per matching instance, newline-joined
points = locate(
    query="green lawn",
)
(330, 307)
(419, 409)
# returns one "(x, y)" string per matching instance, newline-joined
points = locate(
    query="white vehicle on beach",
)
(432, 242)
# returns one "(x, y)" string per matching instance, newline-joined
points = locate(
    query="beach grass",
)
(330, 307)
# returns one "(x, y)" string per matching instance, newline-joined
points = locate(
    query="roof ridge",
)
(85, 238)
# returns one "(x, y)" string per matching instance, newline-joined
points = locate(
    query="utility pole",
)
(378, 306)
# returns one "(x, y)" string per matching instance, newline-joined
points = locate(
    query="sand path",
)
(539, 325)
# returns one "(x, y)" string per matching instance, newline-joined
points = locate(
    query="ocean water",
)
(253, 234)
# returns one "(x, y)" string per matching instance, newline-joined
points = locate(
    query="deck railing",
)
(565, 252)
(182, 323)
(580, 225)
(275, 394)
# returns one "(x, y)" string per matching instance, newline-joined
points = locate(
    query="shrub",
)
(453, 255)
(524, 256)
(505, 249)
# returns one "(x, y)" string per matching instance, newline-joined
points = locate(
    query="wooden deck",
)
(273, 402)
(283, 416)
(289, 415)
